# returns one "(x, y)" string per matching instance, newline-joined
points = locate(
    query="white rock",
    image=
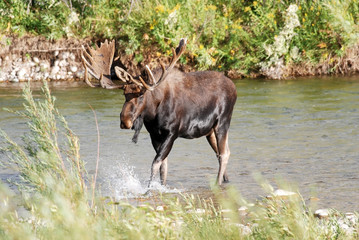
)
(56, 53)
(198, 211)
(322, 213)
(226, 211)
(36, 59)
(80, 74)
(244, 229)
(352, 218)
(72, 56)
(56, 63)
(63, 63)
(73, 69)
(64, 55)
(159, 209)
(55, 69)
(44, 66)
(280, 193)
(21, 74)
(243, 211)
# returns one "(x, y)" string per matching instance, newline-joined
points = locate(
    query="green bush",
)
(224, 35)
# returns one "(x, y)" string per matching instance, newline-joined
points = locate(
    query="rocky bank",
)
(36, 58)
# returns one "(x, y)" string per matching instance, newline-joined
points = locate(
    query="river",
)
(302, 132)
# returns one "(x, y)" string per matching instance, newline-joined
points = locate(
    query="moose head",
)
(170, 103)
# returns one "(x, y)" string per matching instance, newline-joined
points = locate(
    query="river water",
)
(303, 133)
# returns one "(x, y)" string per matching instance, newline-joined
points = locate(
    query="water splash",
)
(121, 181)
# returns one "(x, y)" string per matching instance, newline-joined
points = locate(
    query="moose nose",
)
(126, 124)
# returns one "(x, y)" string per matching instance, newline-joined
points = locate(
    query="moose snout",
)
(126, 124)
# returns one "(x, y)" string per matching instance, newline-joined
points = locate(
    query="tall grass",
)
(223, 35)
(55, 193)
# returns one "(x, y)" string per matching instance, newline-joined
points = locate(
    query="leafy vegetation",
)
(224, 35)
(54, 190)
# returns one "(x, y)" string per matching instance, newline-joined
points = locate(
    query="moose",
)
(169, 102)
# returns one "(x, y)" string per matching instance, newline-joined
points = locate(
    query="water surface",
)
(304, 132)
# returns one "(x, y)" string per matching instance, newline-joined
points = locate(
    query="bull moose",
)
(169, 102)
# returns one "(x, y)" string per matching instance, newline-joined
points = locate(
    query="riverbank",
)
(31, 58)
(36, 58)
(272, 39)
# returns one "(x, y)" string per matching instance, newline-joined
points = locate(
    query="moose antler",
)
(98, 63)
(176, 55)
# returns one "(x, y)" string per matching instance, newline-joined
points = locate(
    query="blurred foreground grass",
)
(56, 192)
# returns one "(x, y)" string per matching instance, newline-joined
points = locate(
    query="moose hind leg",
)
(211, 138)
(161, 158)
(223, 156)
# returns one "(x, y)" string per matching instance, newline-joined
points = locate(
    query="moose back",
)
(170, 104)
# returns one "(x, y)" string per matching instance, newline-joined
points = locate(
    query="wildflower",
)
(220, 66)
(239, 20)
(246, 9)
(158, 54)
(255, 3)
(235, 26)
(201, 46)
(160, 8)
(270, 15)
(226, 27)
(311, 8)
(318, 13)
(303, 20)
(232, 51)
(322, 45)
(174, 9)
(212, 7)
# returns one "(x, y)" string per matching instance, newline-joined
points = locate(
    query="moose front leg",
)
(163, 172)
(160, 161)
